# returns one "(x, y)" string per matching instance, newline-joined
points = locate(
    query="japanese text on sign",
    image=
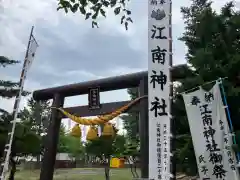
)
(159, 88)
(94, 98)
(212, 144)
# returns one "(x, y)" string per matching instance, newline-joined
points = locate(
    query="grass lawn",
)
(77, 174)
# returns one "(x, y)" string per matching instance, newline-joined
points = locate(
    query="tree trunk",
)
(38, 161)
(13, 169)
(135, 167)
(131, 167)
(107, 168)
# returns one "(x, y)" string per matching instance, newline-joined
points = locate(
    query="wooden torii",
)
(136, 80)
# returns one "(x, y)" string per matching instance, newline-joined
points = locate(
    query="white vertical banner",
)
(33, 45)
(159, 88)
(212, 139)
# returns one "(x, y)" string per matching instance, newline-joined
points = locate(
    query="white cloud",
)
(17, 17)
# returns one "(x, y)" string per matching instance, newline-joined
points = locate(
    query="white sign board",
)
(159, 88)
(211, 136)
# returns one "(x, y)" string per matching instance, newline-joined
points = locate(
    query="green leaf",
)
(113, 3)
(117, 10)
(129, 19)
(106, 3)
(103, 12)
(75, 8)
(83, 2)
(73, 1)
(128, 12)
(65, 3)
(88, 15)
(66, 9)
(94, 24)
(126, 25)
(94, 1)
(59, 7)
(82, 10)
(123, 17)
(122, 2)
(95, 15)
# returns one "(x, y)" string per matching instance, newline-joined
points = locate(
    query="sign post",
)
(159, 88)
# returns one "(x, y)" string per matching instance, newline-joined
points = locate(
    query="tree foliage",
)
(8, 88)
(131, 119)
(71, 145)
(105, 147)
(92, 9)
(36, 115)
(62, 143)
(75, 147)
(213, 51)
(25, 141)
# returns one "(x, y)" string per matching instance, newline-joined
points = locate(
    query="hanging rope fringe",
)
(92, 133)
(100, 119)
(108, 130)
(95, 132)
(76, 131)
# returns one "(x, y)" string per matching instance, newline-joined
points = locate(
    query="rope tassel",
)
(100, 119)
(76, 131)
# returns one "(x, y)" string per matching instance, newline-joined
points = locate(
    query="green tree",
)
(71, 145)
(213, 48)
(92, 9)
(213, 51)
(36, 115)
(8, 88)
(63, 140)
(131, 120)
(75, 147)
(25, 142)
(104, 147)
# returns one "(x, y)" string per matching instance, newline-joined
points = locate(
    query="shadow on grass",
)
(77, 174)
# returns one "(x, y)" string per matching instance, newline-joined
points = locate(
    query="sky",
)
(71, 51)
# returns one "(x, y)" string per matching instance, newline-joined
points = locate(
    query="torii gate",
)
(58, 94)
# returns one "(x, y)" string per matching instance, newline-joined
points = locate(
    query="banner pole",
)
(172, 119)
(228, 113)
(8, 146)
